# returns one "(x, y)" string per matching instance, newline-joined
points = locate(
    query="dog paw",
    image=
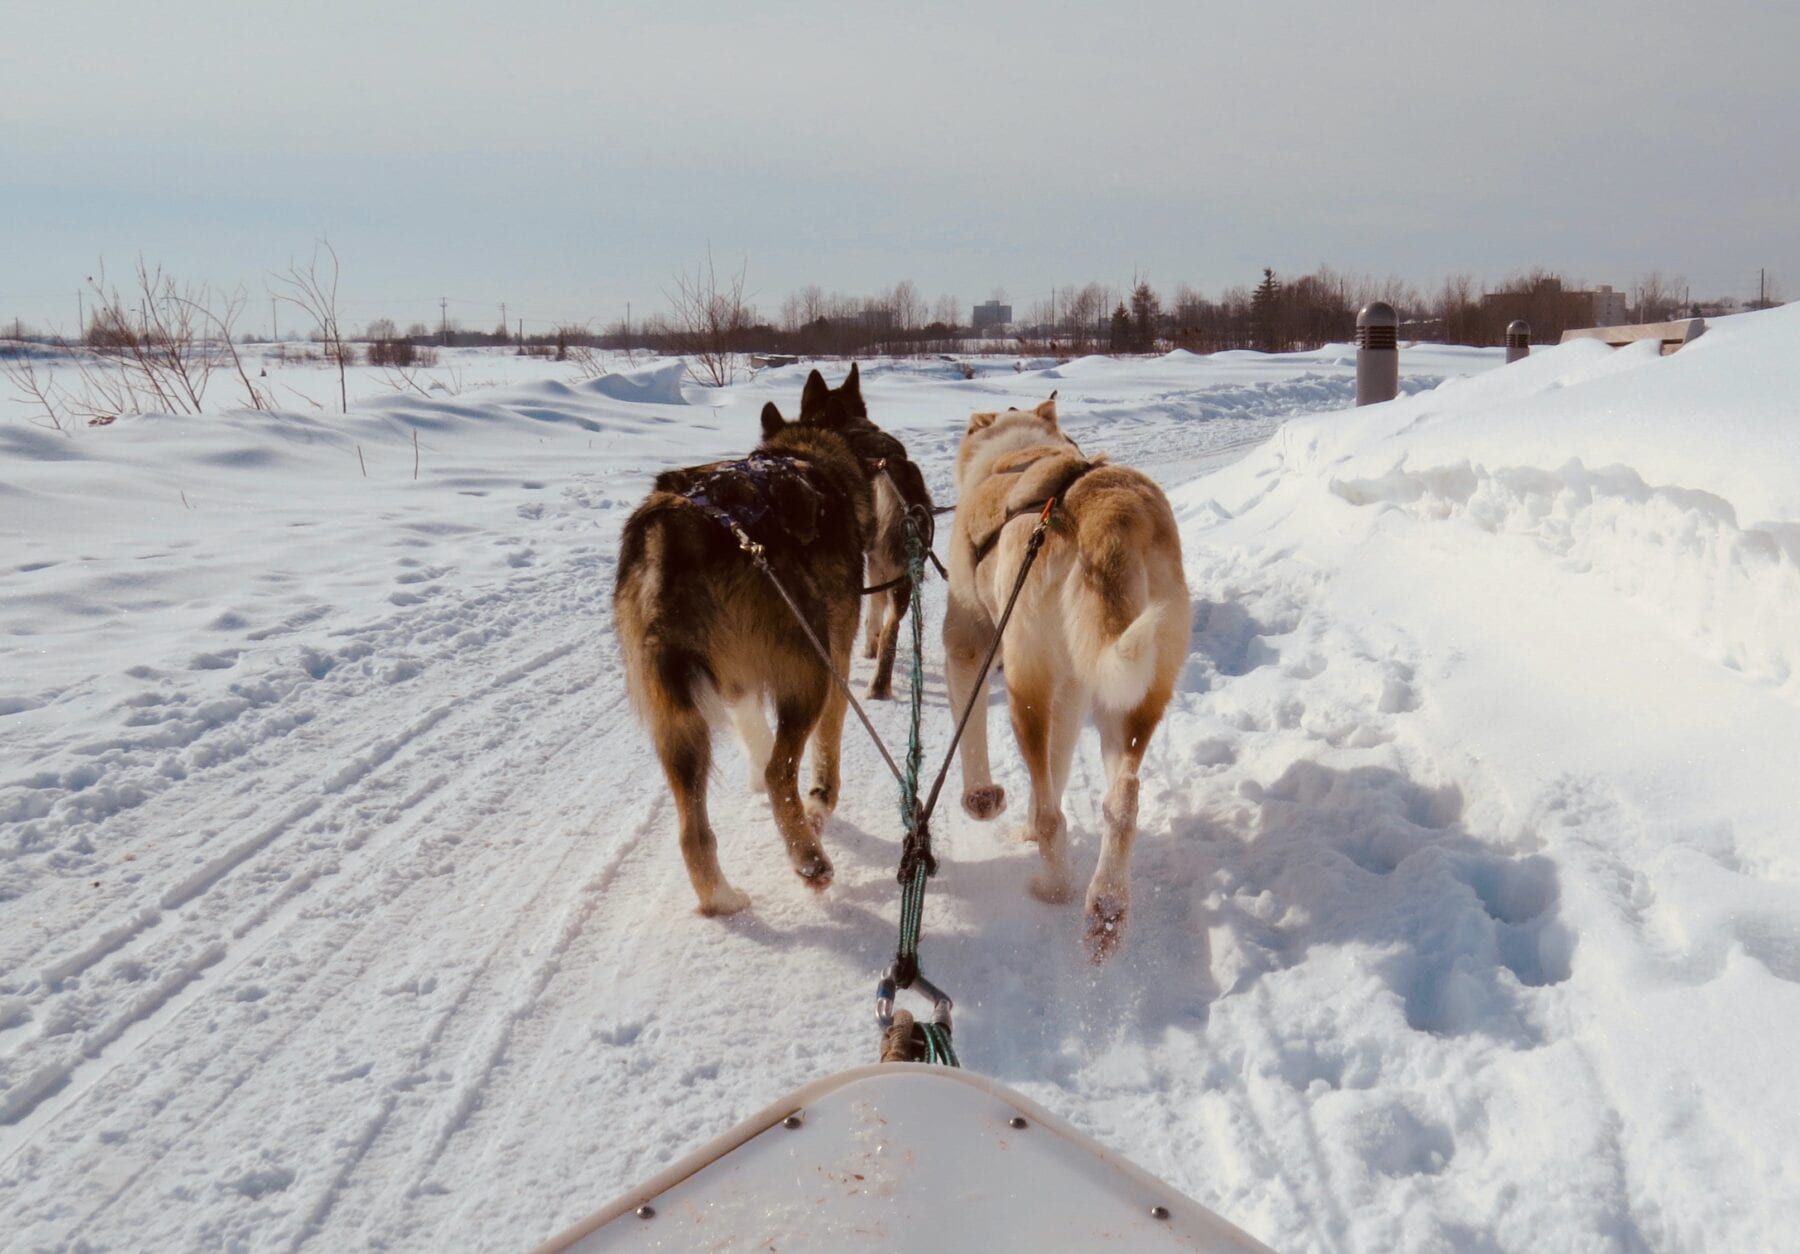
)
(1047, 886)
(870, 649)
(814, 870)
(725, 900)
(985, 802)
(1105, 929)
(884, 692)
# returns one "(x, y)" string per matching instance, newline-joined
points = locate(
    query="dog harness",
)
(740, 495)
(987, 542)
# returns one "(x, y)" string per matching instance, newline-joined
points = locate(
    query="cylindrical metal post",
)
(1377, 354)
(1518, 340)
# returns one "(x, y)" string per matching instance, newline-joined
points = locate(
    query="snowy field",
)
(340, 905)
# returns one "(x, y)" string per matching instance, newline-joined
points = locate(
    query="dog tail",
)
(664, 674)
(1125, 668)
(1125, 623)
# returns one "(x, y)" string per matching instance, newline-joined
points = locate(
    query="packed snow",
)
(340, 904)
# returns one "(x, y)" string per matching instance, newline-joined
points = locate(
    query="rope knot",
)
(915, 851)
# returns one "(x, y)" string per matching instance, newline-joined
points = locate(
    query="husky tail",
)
(1131, 611)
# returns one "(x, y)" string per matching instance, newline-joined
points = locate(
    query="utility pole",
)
(444, 321)
(80, 316)
(274, 322)
(502, 321)
(1762, 288)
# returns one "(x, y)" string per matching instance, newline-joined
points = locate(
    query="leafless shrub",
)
(394, 352)
(159, 361)
(313, 290)
(708, 321)
(38, 390)
(401, 378)
(575, 345)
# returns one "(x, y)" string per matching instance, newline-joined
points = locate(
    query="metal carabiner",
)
(884, 1000)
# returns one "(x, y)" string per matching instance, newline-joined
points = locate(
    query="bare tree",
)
(709, 319)
(1655, 298)
(802, 308)
(1087, 314)
(1458, 310)
(909, 307)
(312, 289)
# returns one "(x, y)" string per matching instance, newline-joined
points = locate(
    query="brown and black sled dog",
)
(1101, 627)
(708, 640)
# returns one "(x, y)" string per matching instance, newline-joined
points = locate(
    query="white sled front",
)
(904, 1156)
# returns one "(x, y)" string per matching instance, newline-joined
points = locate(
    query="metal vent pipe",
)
(1518, 340)
(1377, 354)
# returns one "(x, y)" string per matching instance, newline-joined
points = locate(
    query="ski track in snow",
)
(371, 931)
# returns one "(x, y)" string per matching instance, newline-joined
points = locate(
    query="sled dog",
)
(707, 639)
(1101, 628)
(899, 489)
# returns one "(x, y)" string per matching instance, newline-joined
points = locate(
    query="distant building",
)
(1609, 307)
(990, 315)
(1550, 308)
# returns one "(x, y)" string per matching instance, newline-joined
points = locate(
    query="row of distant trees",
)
(165, 339)
(1280, 313)
(710, 312)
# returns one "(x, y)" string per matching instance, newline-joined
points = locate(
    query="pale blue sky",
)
(569, 157)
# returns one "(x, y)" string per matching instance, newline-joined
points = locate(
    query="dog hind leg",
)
(967, 633)
(877, 615)
(1046, 718)
(886, 620)
(684, 744)
(828, 737)
(795, 716)
(1124, 736)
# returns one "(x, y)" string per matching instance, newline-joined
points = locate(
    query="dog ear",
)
(980, 420)
(772, 421)
(851, 390)
(813, 395)
(1048, 408)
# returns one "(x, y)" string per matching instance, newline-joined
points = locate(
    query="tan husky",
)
(1101, 628)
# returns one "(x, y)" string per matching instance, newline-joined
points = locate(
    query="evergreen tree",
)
(1121, 329)
(1146, 314)
(1265, 313)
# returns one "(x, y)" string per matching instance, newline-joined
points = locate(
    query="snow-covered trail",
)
(364, 924)
(379, 892)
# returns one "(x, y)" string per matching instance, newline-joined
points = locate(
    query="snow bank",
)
(1504, 672)
(1676, 480)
